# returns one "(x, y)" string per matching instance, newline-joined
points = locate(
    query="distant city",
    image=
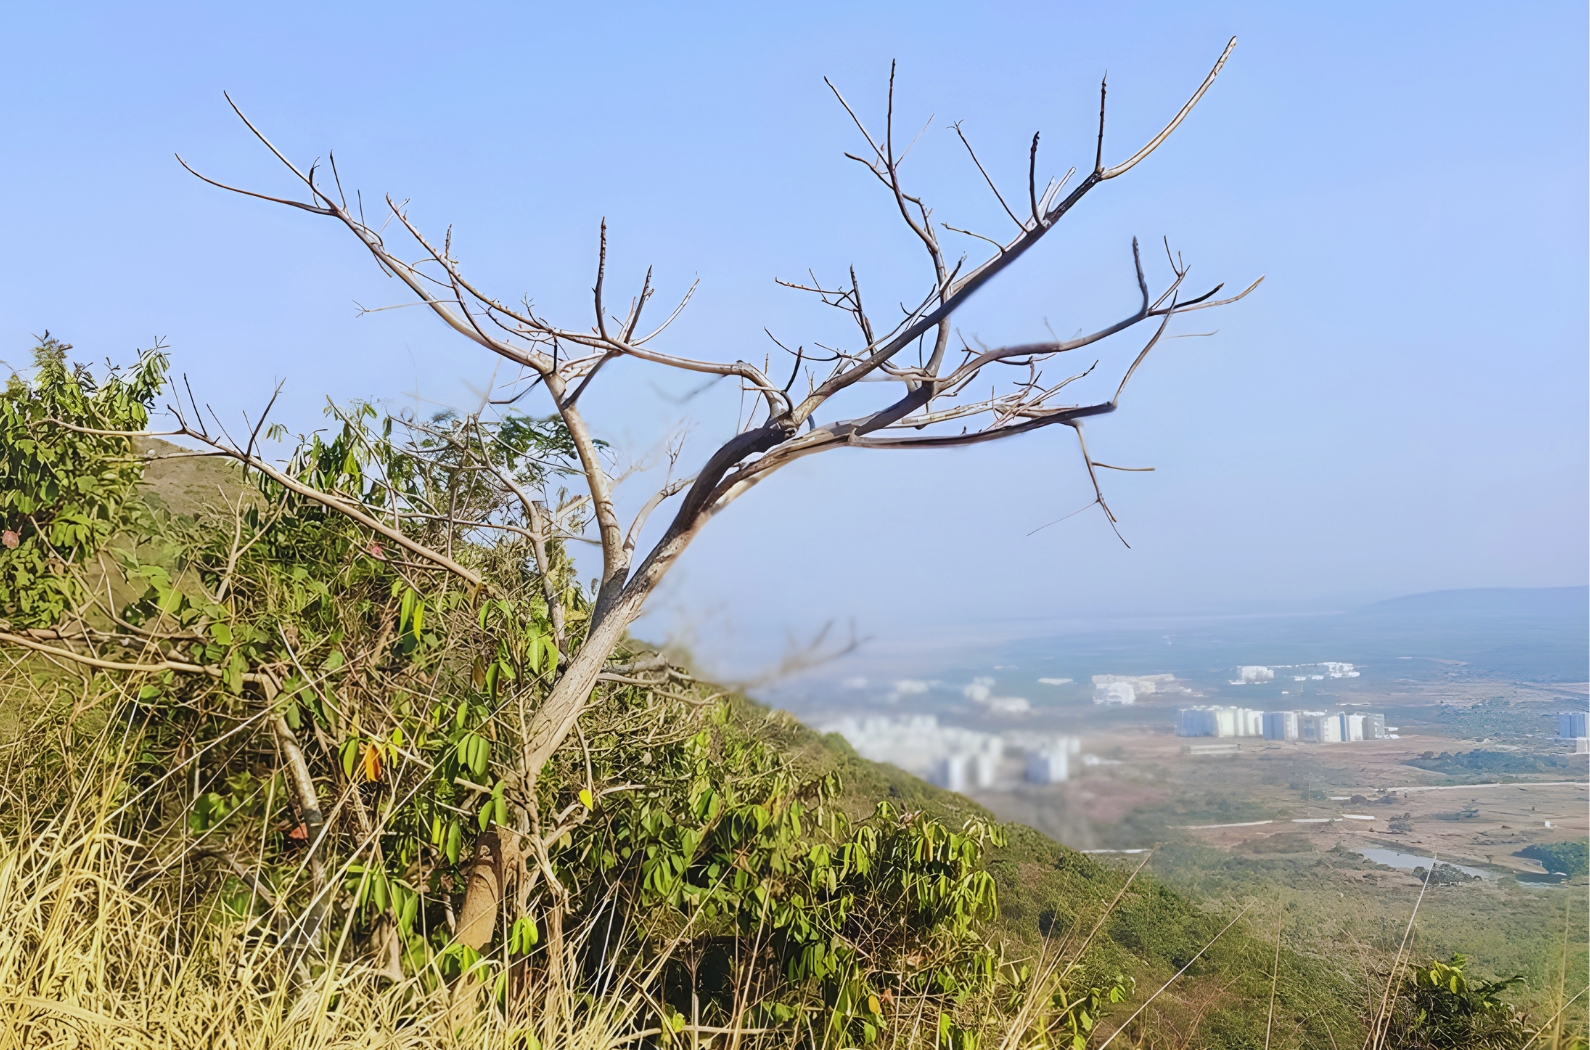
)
(963, 759)
(966, 759)
(960, 759)
(1315, 727)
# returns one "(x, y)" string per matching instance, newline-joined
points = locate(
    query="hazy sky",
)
(1401, 407)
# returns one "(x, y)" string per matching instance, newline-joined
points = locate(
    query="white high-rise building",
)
(985, 765)
(1049, 765)
(1219, 721)
(1571, 724)
(1197, 721)
(1317, 727)
(952, 772)
(1280, 725)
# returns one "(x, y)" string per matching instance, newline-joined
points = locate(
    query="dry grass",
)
(112, 937)
(106, 941)
(88, 961)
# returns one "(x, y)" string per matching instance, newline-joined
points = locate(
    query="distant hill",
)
(1518, 634)
(1535, 633)
(1499, 602)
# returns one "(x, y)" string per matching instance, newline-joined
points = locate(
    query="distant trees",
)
(1567, 858)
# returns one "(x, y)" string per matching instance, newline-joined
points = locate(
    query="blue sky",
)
(1402, 407)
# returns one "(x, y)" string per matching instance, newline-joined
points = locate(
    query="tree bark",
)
(494, 861)
(309, 811)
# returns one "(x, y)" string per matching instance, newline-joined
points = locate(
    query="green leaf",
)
(349, 753)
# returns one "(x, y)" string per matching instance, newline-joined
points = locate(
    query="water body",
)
(1392, 858)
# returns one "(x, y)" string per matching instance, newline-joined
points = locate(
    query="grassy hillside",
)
(1049, 894)
(268, 781)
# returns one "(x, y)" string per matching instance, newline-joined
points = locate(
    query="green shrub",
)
(1568, 858)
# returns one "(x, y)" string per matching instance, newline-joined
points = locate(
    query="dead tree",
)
(932, 407)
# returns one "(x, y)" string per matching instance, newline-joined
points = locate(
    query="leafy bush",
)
(63, 492)
(1504, 762)
(321, 714)
(1569, 858)
(1442, 1008)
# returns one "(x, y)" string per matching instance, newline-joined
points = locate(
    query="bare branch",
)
(673, 488)
(153, 667)
(601, 272)
(1131, 162)
(988, 179)
(566, 361)
(1032, 179)
(1098, 491)
(1098, 156)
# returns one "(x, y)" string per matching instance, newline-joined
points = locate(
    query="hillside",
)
(1049, 893)
(289, 742)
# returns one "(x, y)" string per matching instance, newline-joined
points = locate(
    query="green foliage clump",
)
(1567, 858)
(1491, 762)
(1442, 1008)
(694, 843)
(64, 492)
(675, 838)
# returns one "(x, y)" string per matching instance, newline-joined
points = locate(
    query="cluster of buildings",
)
(1125, 689)
(1048, 762)
(1571, 728)
(915, 743)
(952, 757)
(1315, 727)
(1255, 674)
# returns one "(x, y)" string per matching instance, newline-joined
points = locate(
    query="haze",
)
(1400, 408)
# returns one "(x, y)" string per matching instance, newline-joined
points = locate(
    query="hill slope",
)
(1053, 895)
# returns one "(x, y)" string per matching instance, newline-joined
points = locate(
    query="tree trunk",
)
(553, 722)
(494, 861)
(309, 811)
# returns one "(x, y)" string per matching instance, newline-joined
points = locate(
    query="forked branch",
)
(567, 360)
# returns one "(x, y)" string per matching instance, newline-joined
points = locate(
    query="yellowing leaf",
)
(586, 800)
(372, 762)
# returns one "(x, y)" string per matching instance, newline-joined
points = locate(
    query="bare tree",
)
(932, 407)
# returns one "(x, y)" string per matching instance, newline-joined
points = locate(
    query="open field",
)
(1290, 822)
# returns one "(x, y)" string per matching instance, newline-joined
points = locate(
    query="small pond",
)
(1392, 858)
